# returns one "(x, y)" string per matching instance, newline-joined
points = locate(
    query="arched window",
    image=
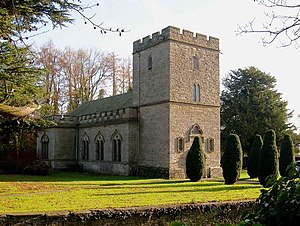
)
(117, 146)
(45, 146)
(210, 145)
(196, 64)
(149, 62)
(194, 91)
(195, 131)
(99, 147)
(197, 93)
(85, 144)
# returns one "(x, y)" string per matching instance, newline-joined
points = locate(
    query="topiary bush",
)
(254, 157)
(268, 164)
(231, 161)
(195, 161)
(287, 155)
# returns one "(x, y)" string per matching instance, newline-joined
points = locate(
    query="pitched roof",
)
(104, 104)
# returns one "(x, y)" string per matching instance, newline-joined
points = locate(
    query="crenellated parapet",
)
(114, 116)
(174, 34)
(108, 116)
(62, 120)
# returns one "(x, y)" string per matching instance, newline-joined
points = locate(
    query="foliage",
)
(250, 105)
(268, 164)
(37, 167)
(280, 204)
(231, 161)
(287, 155)
(14, 162)
(195, 161)
(254, 156)
(74, 76)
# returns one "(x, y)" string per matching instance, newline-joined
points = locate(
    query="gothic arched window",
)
(116, 146)
(45, 146)
(85, 144)
(196, 93)
(99, 147)
(195, 131)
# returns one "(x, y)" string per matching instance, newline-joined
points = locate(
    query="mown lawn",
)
(77, 191)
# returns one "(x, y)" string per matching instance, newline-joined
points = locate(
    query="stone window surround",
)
(116, 139)
(99, 152)
(196, 63)
(196, 94)
(180, 144)
(150, 62)
(45, 146)
(210, 145)
(85, 144)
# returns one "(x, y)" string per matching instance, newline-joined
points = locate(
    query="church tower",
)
(176, 90)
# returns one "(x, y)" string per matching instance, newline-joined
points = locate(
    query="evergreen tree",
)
(254, 155)
(287, 155)
(250, 104)
(195, 161)
(268, 164)
(231, 161)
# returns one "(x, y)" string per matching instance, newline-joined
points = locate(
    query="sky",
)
(218, 18)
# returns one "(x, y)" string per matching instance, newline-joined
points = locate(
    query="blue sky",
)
(217, 18)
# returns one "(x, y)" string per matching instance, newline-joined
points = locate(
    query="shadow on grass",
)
(200, 188)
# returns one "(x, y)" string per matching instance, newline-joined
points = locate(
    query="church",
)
(148, 131)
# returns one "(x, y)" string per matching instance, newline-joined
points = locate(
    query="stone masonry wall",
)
(182, 118)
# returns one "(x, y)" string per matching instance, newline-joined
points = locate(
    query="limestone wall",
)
(182, 118)
(61, 146)
(128, 148)
(154, 136)
(151, 85)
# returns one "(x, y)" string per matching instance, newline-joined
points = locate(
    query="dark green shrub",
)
(195, 161)
(268, 164)
(37, 167)
(231, 161)
(287, 155)
(254, 156)
(280, 204)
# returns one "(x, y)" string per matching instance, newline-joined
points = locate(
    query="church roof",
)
(104, 104)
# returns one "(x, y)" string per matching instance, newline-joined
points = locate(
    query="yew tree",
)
(250, 104)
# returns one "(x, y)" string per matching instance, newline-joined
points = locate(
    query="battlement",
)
(103, 117)
(174, 34)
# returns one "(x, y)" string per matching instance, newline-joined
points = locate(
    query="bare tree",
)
(282, 23)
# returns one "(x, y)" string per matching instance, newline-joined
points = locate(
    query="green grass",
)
(77, 191)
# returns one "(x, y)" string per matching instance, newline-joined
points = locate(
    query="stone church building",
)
(148, 131)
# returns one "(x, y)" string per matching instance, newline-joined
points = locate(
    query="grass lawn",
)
(77, 191)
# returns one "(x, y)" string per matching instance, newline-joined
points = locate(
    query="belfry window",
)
(45, 146)
(196, 93)
(99, 147)
(85, 144)
(149, 62)
(196, 64)
(116, 146)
